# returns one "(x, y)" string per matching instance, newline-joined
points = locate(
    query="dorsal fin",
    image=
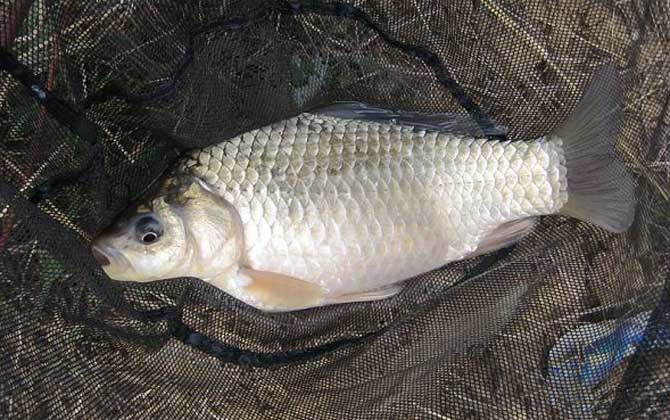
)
(449, 122)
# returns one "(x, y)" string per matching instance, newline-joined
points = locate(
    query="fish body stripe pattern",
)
(338, 202)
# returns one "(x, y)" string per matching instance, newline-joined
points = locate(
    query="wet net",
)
(98, 99)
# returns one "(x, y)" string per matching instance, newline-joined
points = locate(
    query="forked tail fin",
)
(601, 190)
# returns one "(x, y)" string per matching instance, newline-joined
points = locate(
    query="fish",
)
(347, 202)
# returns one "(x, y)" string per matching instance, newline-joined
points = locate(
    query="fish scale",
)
(340, 201)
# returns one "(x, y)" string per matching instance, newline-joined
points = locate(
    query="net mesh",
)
(97, 100)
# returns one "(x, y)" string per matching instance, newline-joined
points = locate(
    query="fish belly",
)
(356, 205)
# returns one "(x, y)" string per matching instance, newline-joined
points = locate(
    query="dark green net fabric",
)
(98, 98)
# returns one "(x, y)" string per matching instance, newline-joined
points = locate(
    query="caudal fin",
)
(601, 190)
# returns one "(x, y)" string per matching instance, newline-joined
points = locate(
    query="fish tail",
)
(601, 190)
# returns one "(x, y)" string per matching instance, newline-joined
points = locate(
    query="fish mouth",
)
(100, 256)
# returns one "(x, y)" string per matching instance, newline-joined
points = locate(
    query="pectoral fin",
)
(278, 292)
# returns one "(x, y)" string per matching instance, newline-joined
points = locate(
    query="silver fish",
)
(345, 203)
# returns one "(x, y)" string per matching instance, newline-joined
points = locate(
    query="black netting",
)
(97, 100)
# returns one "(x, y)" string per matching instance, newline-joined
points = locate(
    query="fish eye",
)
(148, 229)
(149, 237)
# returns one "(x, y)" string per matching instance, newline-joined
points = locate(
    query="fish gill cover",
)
(98, 99)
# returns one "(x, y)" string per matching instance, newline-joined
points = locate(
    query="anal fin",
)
(505, 235)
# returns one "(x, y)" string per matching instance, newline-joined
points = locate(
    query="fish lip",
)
(100, 256)
(105, 256)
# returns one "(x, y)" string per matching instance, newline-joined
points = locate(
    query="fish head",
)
(187, 230)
